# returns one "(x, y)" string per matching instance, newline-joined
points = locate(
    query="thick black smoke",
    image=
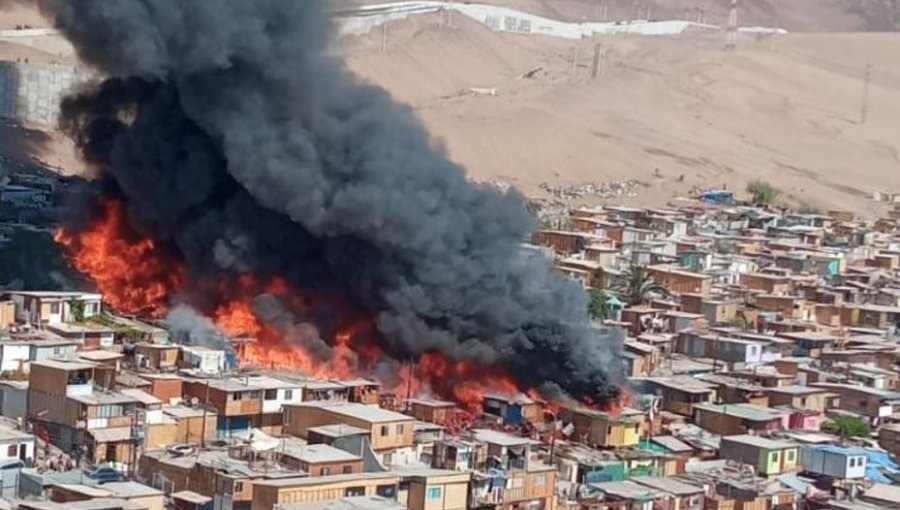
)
(236, 138)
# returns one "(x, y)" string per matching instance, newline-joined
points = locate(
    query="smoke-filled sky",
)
(239, 142)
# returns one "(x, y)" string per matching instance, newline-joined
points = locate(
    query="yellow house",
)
(268, 493)
(768, 456)
(606, 430)
(388, 430)
(435, 489)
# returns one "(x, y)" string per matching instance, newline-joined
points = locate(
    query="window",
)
(347, 469)
(326, 471)
(386, 491)
(350, 492)
(54, 307)
(791, 455)
(384, 430)
(109, 411)
(271, 394)
(236, 395)
(541, 480)
(803, 402)
(289, 394)
(238, 487)
(12, 451)
(773, 457)
(400, 429)
(434, 493)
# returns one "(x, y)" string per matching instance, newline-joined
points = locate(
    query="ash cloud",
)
(239, 141)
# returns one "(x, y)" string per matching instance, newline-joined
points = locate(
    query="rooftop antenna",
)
(731, 34)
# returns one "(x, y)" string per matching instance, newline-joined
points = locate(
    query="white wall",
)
(274, 406)
(154, 416)
(13, 357)
(503, 19)
(29, 450)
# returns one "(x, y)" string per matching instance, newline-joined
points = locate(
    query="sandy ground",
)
(15, 13)
(786, 110)
(674, 113)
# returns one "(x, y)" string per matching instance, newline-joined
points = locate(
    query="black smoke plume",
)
(236, 139)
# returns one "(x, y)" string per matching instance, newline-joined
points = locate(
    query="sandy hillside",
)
(788, 113)
(793, 15)
(30, 142)
(20, 13)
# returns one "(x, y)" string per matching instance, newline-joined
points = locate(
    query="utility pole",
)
(595, 67)
(574, 62)
(384, 34)
(731, 34)
(864, 108)
(203, 422)
(449, 11)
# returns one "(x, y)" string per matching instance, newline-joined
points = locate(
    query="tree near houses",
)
(637, 284)
(762, 192)
(846, 426)
(598, 307)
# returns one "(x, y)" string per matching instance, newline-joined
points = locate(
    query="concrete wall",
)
(31, 93)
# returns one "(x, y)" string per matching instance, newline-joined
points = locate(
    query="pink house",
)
(805, 420)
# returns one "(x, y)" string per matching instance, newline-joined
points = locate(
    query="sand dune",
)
(786, 110)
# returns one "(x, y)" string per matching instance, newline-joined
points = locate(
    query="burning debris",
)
(244, 172)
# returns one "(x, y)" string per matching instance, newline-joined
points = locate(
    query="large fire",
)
(136, 276)
(354, 356)
(133, 274)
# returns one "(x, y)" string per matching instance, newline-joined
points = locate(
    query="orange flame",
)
(136, 276)
(133, 274)
(615, 406)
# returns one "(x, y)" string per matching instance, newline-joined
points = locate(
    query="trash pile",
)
(609, 189)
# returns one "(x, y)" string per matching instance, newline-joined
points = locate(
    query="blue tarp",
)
(877, 463)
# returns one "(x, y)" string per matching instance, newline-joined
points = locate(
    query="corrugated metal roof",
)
(111, 435)
(672, 443)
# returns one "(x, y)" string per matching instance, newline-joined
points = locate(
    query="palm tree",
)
(637, 284)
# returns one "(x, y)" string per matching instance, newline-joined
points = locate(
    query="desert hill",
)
(793, 15)
(672, 112)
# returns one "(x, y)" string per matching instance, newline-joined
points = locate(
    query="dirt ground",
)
(673, 112)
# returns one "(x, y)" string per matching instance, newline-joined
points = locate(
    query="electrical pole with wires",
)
(731, 34)
(864, 107)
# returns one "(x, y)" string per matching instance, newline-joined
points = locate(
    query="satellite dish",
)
(195, 402)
